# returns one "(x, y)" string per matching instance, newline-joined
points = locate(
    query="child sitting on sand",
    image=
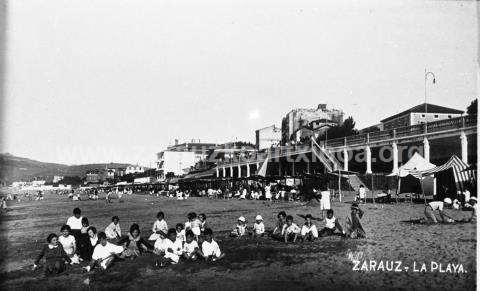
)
(277, 231)
(240, 229)
(55, 256)
(354, 227)
(290, 230)
(191, 251)
(104, 253)
(331, 224)
(113, 231)
(135, 245)
(69, 243)
(210, 249)
(160, 228)
(180, 232)
(173, 249)
(203, 221)
(309, 230)
(258, 226)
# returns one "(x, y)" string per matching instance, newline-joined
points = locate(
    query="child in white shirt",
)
(173, 249)
(75, 223)
(180, 230)
(68, 243)
(210, 249)
(193, 223)
(258, 226)
(113, 231)
(309, 230)
(240, 229)
(104, 253)
(190, 248)
(160, 228)
(290, 230)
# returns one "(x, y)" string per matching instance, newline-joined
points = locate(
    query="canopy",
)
(415, 165)
(458, 168)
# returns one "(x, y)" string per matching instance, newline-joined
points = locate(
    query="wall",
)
(268, 136)
(417, 118)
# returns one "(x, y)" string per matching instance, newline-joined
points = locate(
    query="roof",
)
(416, 164)
(431, 108)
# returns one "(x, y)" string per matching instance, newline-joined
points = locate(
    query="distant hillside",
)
(14, 168)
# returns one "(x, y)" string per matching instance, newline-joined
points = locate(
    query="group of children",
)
(192, 240)
(288, 231)
(80, 242)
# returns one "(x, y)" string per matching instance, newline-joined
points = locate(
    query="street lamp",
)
(433, 81)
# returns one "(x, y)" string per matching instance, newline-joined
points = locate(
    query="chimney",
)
(176, 141)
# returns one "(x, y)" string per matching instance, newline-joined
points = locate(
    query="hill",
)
(14, 168)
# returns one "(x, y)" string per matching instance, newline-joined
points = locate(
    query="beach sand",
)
(261, 264)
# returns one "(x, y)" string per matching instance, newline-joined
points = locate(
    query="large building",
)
(303, 123)
(178, 158)
(420, 114)
(267, 137)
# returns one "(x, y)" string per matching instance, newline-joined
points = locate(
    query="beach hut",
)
(410, 179)
(452, 176)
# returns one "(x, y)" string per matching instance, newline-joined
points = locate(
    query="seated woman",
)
(55, 256)
(104, 253)
(135, 245)
(92, 242)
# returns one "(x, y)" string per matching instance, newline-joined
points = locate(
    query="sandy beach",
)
(261, 264)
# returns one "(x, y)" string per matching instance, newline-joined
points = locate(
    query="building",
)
(178, 158)
(418, 115)
(373, 128)
(57, 179)
(144, 180)
(134, 169)
(303, 123)
(93, 176)
(267, 137)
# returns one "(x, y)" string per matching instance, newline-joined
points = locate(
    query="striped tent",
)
(458, 168)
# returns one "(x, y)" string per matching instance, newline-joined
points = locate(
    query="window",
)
(423, 115)
(449, 116)
(435, 116)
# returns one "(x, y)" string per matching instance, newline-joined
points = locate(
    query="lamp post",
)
(433, 81)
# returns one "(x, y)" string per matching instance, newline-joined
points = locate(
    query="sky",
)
(118, 81)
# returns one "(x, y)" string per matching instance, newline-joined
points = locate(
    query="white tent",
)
(414, 167)
(416, 164)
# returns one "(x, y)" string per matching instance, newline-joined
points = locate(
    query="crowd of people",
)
(81, 243)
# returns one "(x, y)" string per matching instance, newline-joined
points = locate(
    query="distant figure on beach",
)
(354, 227)
(473, 202)
(439, 206)
(362, 195)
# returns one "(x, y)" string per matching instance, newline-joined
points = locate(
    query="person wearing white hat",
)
(240, 229)
(258, 226)
(433, 206)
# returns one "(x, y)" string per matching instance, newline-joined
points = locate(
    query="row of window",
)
(435, 116)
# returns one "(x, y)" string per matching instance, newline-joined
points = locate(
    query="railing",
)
(418, 129)
(360, 139)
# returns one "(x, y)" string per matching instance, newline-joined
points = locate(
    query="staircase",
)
(326, 157)
(355, 182)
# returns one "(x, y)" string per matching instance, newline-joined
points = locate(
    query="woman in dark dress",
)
(55, 256)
